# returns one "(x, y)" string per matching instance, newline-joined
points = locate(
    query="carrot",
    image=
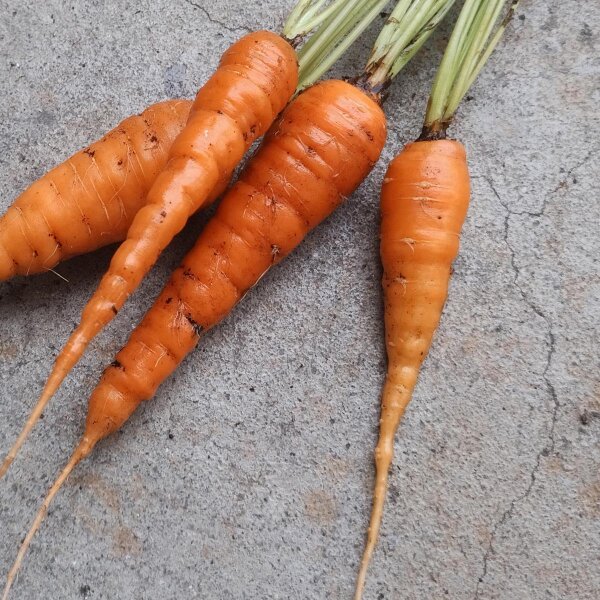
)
(89, 201)
(424, 201)
(254, 81)
(296, 180)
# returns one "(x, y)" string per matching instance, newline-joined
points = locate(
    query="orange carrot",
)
(89, 201)
(424, 201)
(321, 148)
(255, 79)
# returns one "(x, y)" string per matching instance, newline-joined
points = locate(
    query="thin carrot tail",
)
(383, 460)
(63, 364)
(83, 449)
(395, 398)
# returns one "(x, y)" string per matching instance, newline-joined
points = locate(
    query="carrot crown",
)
(335, 25)
(478, 30)
(407, 28)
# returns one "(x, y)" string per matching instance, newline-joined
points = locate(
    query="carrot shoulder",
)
(89, 201)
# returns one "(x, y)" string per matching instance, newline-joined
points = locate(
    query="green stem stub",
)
(407, 28)
(477, 32)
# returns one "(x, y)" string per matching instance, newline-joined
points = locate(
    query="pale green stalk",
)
(336, 33)
(408, 27)
(332, 26)
(493, 43)
(442, 83)
(314, 62)
(386, 36)
(302, 20)
(476, 17)
(318, 43)
(296, 13)
(471, 44)
(314, 18)
(483, 25)
(434, 18)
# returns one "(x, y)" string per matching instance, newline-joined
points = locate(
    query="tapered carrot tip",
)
(383, 460)
(83, 449)
(31, 421)
(62, 365)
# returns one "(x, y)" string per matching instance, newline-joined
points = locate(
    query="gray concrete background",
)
(265, 487)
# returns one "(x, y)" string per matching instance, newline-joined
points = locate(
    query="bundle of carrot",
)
(424, 203)
(313, 157)
(87, 201)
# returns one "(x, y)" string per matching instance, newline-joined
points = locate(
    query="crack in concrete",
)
(216, 21)
(560, 185)
(549, 445)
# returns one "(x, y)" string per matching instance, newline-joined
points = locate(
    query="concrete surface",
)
(249, 476)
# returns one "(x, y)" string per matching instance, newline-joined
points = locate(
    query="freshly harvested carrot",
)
(424, 201)
(298, 177)
(89, 201)
(254, 81)
(294, 182)
(315, 155)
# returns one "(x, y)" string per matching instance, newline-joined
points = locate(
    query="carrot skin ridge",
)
(90, 200)
(424, 201)
(254, 81)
